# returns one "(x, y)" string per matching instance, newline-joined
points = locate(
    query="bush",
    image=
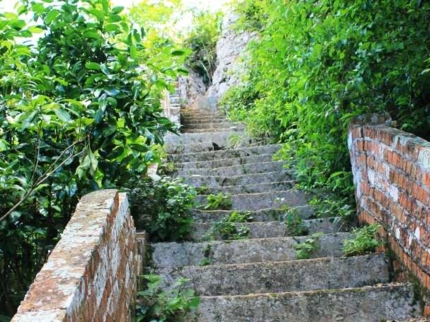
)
(364, 241)
(162, 208)
(317, 64)
(156, 305)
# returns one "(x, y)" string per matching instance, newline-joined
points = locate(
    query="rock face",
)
(190, 88)
(230, 51)
(258, 278)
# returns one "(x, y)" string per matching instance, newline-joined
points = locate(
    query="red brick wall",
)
(91, 273)
(392, 178)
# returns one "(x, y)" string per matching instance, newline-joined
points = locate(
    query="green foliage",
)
(332, 206)
(219, 201)
(207, 254)
(364, 241)
(295, 225)
(317, 64)
(202, 42)
(308, 247)
(79, 111)
(162, 208)
(231, 226)
(156, 305)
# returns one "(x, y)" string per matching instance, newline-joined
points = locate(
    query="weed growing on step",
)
(334, 207)
(167, 168)
(295, 224)
(156, 305)
(365, 241)
(219, 201)
(231, 227)
(207, 254)
(162, 208)
(203, 190)
(234, 140)
(306, 249)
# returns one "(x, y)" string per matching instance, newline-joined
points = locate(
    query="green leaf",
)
(177, 52)
(51, 16)
(35, 30)
(93, 66)
(62, 114)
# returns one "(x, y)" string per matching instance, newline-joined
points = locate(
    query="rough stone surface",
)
(91, 273)
(370, 304)
(257, 201)
(272, 229)
(241, 251)
(279, 277)
(230, 49)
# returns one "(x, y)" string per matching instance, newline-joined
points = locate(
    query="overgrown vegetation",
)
(306, 249)
(365, 240)
(295, 224)
(79, 111)
(156, 305)
(231, 227)
(317, 64)
(202, 41)
(219, 201)
(162, 208)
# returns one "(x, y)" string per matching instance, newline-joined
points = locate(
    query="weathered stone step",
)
(202, 119)
(222, 138)
(241, 251)
(279, 277)
(224, 162)
(203, 146)
(225, 154)
(241, 180)
(367, 304)
(254, 188)
(271, 214)
(271, 229)
(236, 170)
(210, 125)
(223, 129)
(196, 112)
(256, 201)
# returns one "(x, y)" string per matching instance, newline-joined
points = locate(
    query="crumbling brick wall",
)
(91, 273)
(392, 177)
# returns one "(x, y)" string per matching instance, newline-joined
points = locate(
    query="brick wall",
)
(392, 178)
(91, 273)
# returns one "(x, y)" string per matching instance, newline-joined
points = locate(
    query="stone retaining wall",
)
(392, 177)
(91, 273)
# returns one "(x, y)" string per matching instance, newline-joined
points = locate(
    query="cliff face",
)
(231, 48)
(229, 52)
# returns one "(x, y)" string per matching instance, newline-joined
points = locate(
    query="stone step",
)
(207, 126)
(195, 112)
(279, 277)
(224, 129)
(203, 147)
(366, 304)
(242, 180)
(203, 119)
(253, 188)
(271, 214)
(236, 170)
(256, 201)
(221, 138)
(271, 229)
(241, 251)
(225, 154)
(224, 162)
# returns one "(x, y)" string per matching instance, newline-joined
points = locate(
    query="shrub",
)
(364, 241)
(162, 208)
(156, 305)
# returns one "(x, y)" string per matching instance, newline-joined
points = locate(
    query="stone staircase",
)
(259, 278)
